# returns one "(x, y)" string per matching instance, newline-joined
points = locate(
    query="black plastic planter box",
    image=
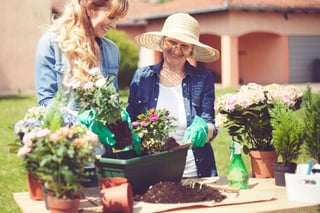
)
(143, 171)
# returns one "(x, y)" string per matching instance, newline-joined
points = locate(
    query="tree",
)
(129, 56)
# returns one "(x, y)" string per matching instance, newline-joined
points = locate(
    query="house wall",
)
(258, 43)
(237, 23)
(20, 22)
(261, 58)
(262, 39)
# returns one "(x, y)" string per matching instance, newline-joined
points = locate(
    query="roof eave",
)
(227, 7)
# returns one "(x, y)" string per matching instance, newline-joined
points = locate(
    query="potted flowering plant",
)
(246, 116)
(101, 99)
(35, 119)
(153, 128)
(62, 156)
(162, 159)
(56, 148)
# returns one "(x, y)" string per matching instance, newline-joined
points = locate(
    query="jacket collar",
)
(188, 68)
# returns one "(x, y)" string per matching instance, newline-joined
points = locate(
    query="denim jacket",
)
(50, 64)
(198, 93)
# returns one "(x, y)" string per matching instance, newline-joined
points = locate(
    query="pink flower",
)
(135, 123)
(54, 137)
(24, 150)
(154, 117)
(90, 136)
(27, 138)
(42, 133)
(143, 123)
(79, 142)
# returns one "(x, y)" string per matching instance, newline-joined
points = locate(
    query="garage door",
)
(304, 59)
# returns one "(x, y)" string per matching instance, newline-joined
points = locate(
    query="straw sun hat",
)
(185, 28)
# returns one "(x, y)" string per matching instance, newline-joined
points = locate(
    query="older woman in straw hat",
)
(185, 90)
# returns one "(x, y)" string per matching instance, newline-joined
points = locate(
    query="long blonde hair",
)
(76, 35)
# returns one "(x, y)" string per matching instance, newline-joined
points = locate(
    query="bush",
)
(287, 132)
(129, 56)
(311, 103)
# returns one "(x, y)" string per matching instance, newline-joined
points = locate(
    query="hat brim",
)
(201, 52)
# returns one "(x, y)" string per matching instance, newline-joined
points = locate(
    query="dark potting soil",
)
(122, 134)
(169, 144)
(174, 192)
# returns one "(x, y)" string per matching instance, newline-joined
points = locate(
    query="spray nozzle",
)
(235, 148)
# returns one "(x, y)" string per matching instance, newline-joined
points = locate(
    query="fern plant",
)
(287, 132)
(311, 103)
(53, 119)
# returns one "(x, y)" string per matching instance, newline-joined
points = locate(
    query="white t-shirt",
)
(171, 98)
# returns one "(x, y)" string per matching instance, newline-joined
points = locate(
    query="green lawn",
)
(13, 178)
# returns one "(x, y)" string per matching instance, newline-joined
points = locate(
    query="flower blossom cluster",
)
(77, 135)
(34, 119)
(153, 128)
(255, 94)
(100, 95)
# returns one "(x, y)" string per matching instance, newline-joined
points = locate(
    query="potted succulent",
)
(100, 105)
(311, 103)
(246, 116)
(287, 138)
(162, 159)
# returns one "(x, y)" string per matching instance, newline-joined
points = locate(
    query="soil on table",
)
(176, 192)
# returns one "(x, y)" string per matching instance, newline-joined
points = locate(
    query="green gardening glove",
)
(136, 140)
(88, 118)
(197, 132)
(136, 143)
(126, 117)
(105, 135)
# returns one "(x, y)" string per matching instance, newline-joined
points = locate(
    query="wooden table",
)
(263, 196)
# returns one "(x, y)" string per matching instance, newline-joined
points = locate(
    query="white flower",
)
(101, 82)
(74, 84)
(88, 85)
(94, 71)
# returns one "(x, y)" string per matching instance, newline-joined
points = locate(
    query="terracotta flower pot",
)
(35, 188)
(63, 205)
(261, 163)
(116, 195)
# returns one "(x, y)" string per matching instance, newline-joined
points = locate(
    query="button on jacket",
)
(50, 64)
(198, 95)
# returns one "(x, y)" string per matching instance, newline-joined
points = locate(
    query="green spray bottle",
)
(238, 175)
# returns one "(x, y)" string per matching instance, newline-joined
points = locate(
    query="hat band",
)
(182, 32)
